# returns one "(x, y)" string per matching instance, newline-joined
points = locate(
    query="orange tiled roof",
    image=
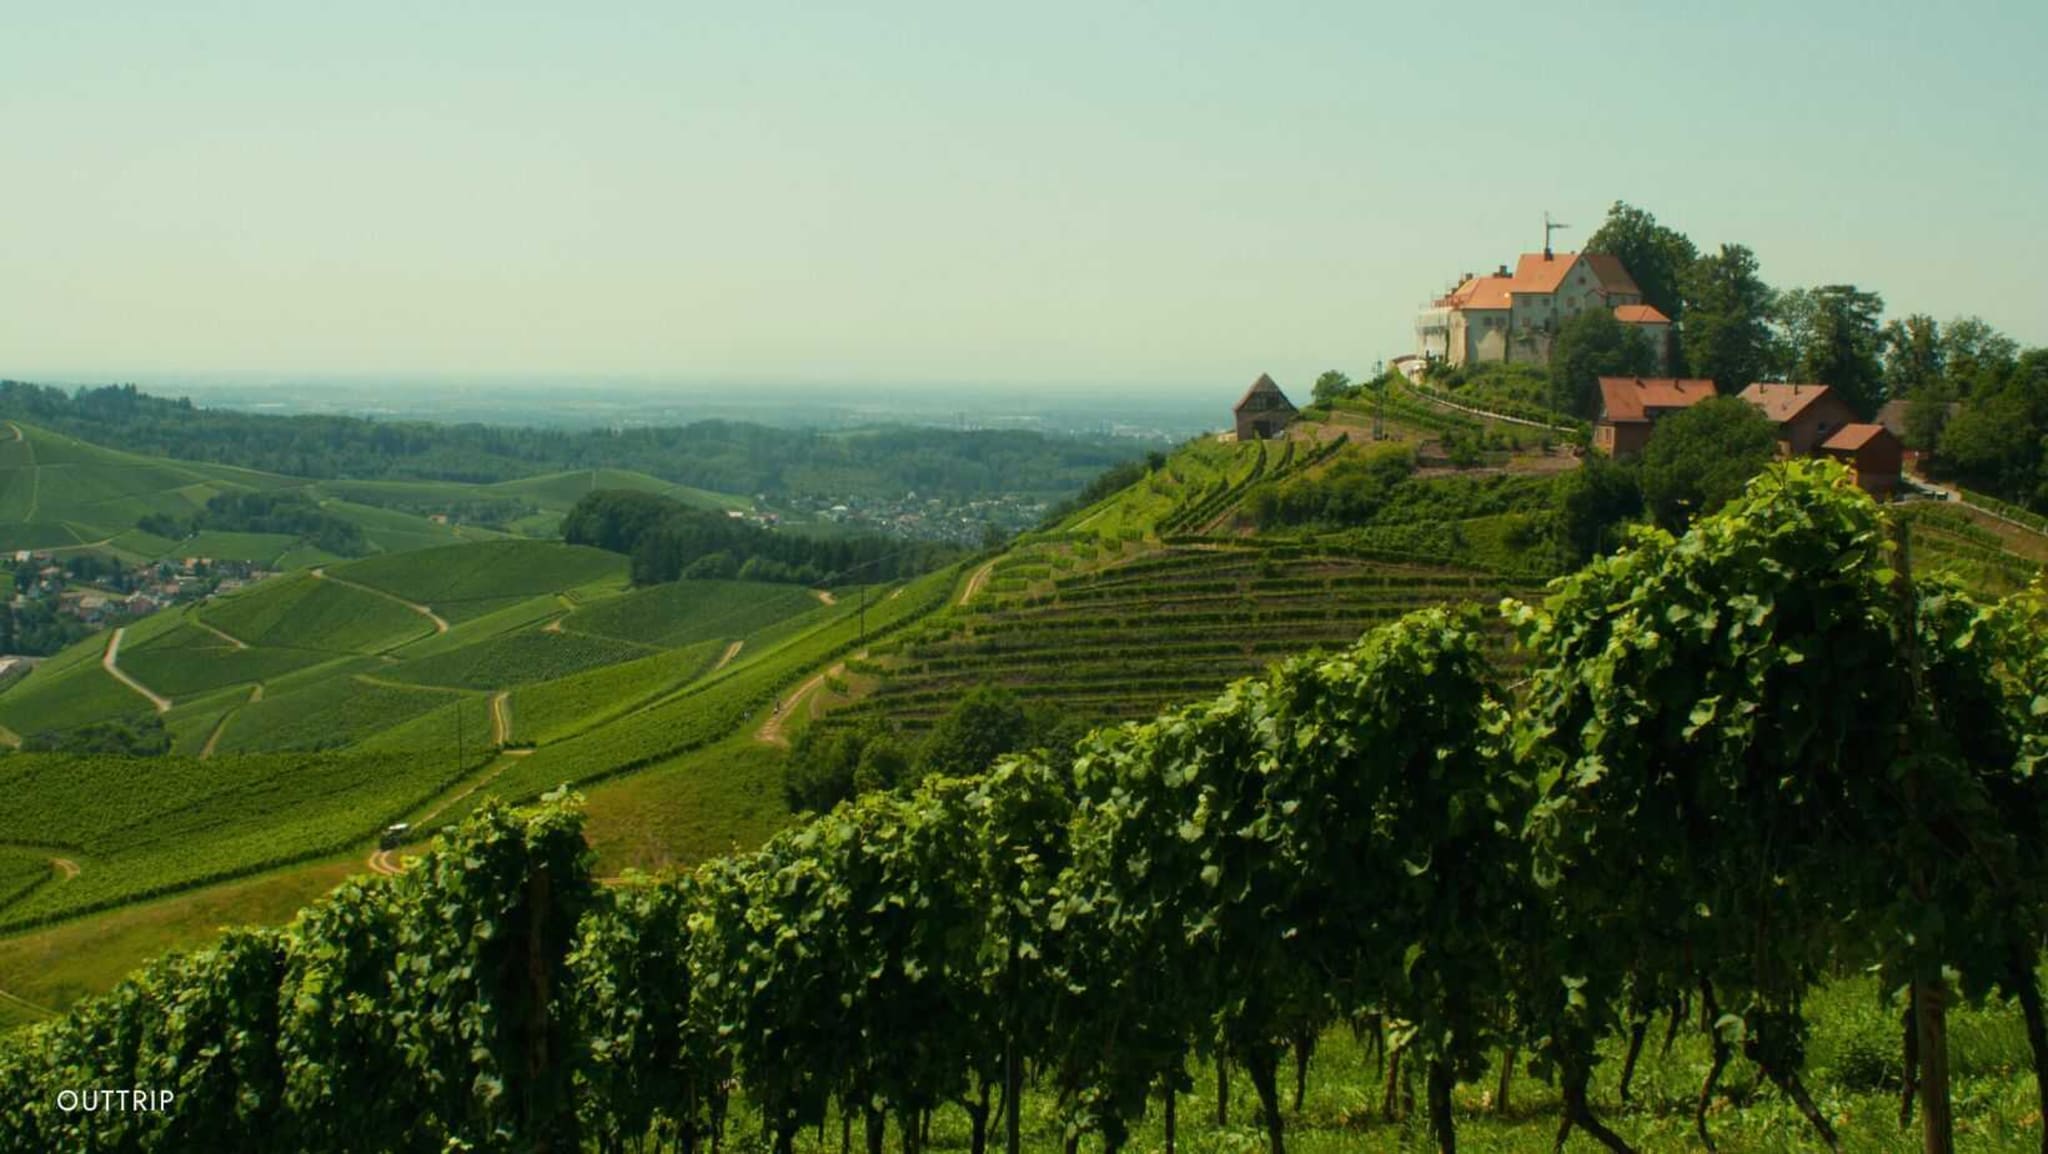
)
(1481, 292)
(1626, 399)
(1639, 315)
(1850, 438)
(1533, 274)
(1783, 401)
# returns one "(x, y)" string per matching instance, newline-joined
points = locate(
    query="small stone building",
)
(1264, 412)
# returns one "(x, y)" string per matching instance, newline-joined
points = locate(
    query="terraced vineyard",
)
(1121, 641)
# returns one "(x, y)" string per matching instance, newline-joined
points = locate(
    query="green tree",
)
(1913, 359)
(1976, 356)
(1727, 332)
(983, 725)
(1659, 258)
(1330, 387)
(1700, 459)
(1832, 336)
(1592, 503)
(1589, 346)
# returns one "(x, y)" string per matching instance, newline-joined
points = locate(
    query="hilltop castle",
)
(1515, 316)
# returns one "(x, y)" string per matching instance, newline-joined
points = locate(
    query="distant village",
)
(58, 598)
(919, 518)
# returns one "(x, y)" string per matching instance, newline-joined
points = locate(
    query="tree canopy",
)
(1700, 458)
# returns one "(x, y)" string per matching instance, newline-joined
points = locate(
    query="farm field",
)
(683, 612)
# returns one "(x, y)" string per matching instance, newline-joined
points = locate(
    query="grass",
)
(194, 661)
(469, 630)
(724, 797)
(54, 966)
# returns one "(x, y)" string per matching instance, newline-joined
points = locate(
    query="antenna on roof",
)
(1550, 226)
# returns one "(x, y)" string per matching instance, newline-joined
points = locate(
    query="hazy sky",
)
(1126, 194)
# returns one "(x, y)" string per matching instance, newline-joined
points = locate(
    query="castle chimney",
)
(1503, 271)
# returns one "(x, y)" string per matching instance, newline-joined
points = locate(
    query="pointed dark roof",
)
(1263, 388)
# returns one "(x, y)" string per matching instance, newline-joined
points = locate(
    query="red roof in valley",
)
(1624, 399)
(1639, 315)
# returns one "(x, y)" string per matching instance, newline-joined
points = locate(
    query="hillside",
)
(507, 667)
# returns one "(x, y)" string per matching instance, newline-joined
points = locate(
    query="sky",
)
(1139, 196)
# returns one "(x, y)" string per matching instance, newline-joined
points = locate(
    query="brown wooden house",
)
(1874, 456)
(1264, 412)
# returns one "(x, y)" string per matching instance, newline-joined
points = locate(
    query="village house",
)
(1264, 412)
(1874, 456)
(1812, 420)
(1806, 414)
(1631, 406)
(1514, 317)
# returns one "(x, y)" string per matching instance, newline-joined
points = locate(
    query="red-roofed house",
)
(1806, 415)
(1631, 406)
(1873, 455)
(1515, 316)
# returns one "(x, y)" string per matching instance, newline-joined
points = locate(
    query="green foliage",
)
(1700, 459)
(986, 723)
(1593, 503)
(1331, 386)
(552, 710)
(1727, 336)
(1589, 346)
(289, 513)
(1833, 337)
(1658, 258)
(667, 539)
(142, 736)
(828, 766)
(723, 456)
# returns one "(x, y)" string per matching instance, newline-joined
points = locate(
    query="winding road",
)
(725, 658)
(501, 718)
(108, 662)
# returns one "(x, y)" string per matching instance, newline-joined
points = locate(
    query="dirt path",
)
(382, 862)
(65, 866)
(501, 718)
(771, 729)
(107, 662)
(825, 595)
(440, 626)
(725, 658)
(221, 726)
(975, 582)
(25, 1004)
(223, 634)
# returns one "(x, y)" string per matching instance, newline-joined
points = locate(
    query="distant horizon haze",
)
(1096, 198)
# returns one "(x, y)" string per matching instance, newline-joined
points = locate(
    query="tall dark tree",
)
(1657, 257)
(1727, 330)
(1590, 346)
(1833, 337)
(1975, 356)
